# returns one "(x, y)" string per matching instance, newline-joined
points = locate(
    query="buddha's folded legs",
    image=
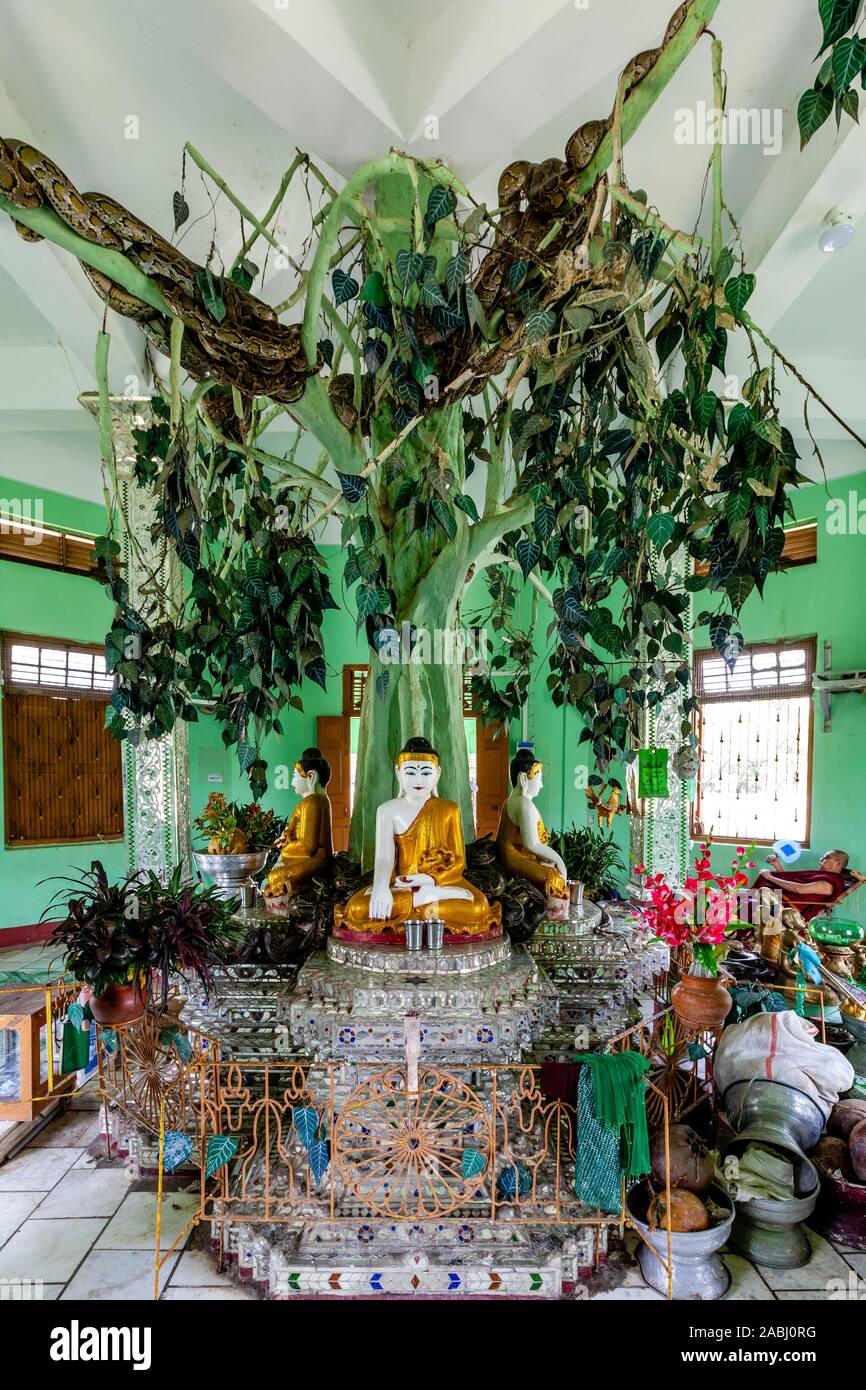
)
(464, 916)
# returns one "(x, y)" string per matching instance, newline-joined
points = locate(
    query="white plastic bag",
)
(782, 1047)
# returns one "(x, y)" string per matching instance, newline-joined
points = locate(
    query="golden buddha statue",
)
(419, 861)
(305, 846)
(522, 846)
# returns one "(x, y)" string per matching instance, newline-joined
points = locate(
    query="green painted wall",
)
(49, 604)
(825, 599)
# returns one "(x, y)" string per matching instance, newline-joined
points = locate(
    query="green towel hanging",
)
(612, 1136)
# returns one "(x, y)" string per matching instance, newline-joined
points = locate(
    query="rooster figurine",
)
(604, 810)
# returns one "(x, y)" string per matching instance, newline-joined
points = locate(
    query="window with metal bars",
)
(62, 776)
(754, 726)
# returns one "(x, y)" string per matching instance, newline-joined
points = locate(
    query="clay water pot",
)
(119, 1004)
(701, 1001)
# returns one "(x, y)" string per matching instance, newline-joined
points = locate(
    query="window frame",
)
(68, 694)
(810, 642)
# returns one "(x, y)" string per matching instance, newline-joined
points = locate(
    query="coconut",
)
(691, 1167)
(688, 1212)
(844, 1116)
(832, 1156)
(857, 1146)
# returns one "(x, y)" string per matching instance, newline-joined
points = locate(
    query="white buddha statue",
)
(419, 861)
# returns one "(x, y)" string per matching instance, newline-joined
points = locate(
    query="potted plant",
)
(238, 841)
(100, 944)
(591, 858)
(700, 916)
(184, 929)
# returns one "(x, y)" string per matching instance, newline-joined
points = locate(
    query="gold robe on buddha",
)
(520, 862)
(432, 845)
(306, 847)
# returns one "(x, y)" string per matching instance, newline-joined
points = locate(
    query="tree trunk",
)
(421, 691)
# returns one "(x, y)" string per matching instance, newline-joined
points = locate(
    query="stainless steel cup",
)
(435, 934)
(575, 894)
(414, 934)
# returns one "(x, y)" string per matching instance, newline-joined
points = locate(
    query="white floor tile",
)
(49, 1250)
(197, 1268)
(15, 1207)
(85, 1192)
(825, 1264)
(110, 1275)
(72, 1129)
(214, 1294)
(133, 1226)
(36, 1170)
(746, 1282)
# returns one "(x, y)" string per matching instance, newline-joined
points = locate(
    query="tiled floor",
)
(72, 1220)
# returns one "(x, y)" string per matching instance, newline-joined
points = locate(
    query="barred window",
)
(754, 726)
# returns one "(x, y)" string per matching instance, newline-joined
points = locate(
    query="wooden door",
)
(492, 773)
(332, 735)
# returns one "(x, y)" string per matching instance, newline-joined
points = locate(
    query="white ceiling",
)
(249, 80)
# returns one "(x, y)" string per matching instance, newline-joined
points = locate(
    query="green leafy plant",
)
(843, 50)
(231, 827)
(591, 858)
(100, 942)
(185, 928)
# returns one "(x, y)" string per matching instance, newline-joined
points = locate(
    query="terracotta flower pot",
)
(701, 1002)
(119, 1004)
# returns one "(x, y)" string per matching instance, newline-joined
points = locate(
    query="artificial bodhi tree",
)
(538, 342)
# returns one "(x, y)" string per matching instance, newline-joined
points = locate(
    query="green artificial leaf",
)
(724, 265)
(444, 516)
(770, 430)
(244, 273)
(382, 682)
(740, 421)
(849, 56)
(738, 588)
(345, 288)
(836, 16)
(431, 294)
(475, 310)
(545, 521)
(516, 274)
(319, 1155)
(472, 1163)
(326, 348)
(352, 485)
(737, 507)
(440, 203)
(306, 1122)
(539, 324)
(409, 265)
(660, 527)
(374, 290)
(180, 208)
(704, 409)
(813, 109)
(208, 287)
(455, 272)
(221, 1149)
(850, 105)
(372, 599)
(466, 504)
(528, 554)
(738, 291)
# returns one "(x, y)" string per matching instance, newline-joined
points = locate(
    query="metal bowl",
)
(772, 1112)
(771, 1232)
(697, 1270)
(230, 872)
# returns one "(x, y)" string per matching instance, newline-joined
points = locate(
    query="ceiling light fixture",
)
(837, 232)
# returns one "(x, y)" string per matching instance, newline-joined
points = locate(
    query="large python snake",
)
(250, 349)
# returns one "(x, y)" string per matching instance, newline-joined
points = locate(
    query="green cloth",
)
(612, 1136)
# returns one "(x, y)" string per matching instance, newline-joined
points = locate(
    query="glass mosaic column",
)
(156, 773)
(660, 836)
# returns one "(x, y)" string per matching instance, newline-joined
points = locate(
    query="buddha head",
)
(418, 770)
(312, 772)
(526, 772)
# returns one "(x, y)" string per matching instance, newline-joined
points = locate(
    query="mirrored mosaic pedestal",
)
(484, 1003)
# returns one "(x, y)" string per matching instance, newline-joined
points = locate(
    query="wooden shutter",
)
(800, 548)
(354, 681)
(62, 771)
(28, 544)
(492, 773)
(332, 737)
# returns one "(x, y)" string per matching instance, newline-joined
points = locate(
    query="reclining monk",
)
(810, 891)
(419, 861)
